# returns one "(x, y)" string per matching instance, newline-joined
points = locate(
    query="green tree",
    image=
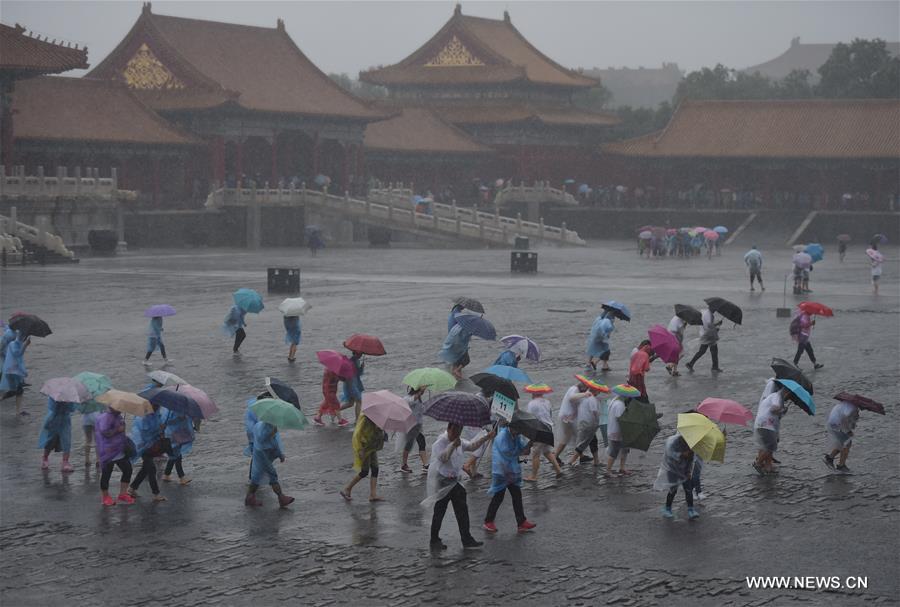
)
(861, 69)
(359, 88)
(594, 98)
(795, 85)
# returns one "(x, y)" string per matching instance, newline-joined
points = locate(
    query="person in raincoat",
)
(12, 383)
(473, 434)
(451, 318)
(767, 426)
(266, 448)
(414, 435)
(875, 262)
(180, 432)
(709, 340)
(9, 335)
(330, 404)
(801, 331)
(88, 424)
(353, 386)
(616, 407)
(154, 340)
(56, 433)
(444, 488)
(512, 355)
(568, 416)
(598, 341)
(114, 448)
(754, 260)
(841, 424)
(506, 475)
(455, 349)
(842, 250)
(292, 335)
(368, 440)
(675, 469)
(147, 432)
(541, 409)
(235, 321)
(638, 367)
(588, 420)
(676, 327)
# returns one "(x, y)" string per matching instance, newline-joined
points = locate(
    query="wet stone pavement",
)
(598, 541)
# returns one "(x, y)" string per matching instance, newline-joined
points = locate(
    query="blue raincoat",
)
(505, 467)
(250, 420)
(57, 425)
(14, 371)
(8, 337)
(179, 430)
(145, 431)
(234, 320)
(451, 319)
(598, 340)
(266, 449)
(154, 334)
(507, 358)
(456, 345)
(353, 387)
(292, 330)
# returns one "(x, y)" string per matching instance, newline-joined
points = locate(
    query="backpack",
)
(795, 326)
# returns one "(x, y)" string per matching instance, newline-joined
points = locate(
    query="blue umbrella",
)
(720, 229)
(619, 310)
(248, 300)
(569, 181)
(477, 326)
(799, 395)
(816, 251)
(173, 401)
(510, 373)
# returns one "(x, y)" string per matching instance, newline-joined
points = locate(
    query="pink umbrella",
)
(337, 363)
(65, 390)
(875, 255)
(664, 343)
(700, 229)
(206, 404)
(725, 411)
(711, 235)
(388, 411)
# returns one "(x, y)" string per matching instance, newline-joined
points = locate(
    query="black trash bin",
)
(523, 261)
(521, 243)
(284, 280)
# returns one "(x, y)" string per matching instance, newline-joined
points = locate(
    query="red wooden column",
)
(239, 162)
(315, 155)
(274, 179)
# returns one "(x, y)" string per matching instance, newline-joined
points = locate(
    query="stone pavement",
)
(598, 541)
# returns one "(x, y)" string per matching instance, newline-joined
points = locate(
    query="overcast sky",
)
(352, 36)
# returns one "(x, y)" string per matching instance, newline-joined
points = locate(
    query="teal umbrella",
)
(279, 413)
(638, 425)
(96, 383)
(248, 300)
(799, 395)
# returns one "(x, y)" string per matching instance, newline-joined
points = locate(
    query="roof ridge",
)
(218, 23)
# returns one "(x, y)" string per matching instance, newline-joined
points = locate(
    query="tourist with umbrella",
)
(801, 329)
(96, 384)
(415, 435)
(540, 407)
(148, 435)
(179, 429)
(802, 266)
(639, 365)
(842, 424)
(368, 440)
(292, 308)
(875, 261)
(511, 356)
(684, 315)
(772, 406)
(754, 261)
(506, 475)
(588, 420)
(63, 395)
(359, 345)
(245, 300)
(455, 349)
(154, 332)
(598, 339)
(272, 413)
(114, 448)
(522, 347)
(337, 368)
(616, 407)
(709, 340)
(12, 383)
(568, 412)
(675, 470)
(9, 335)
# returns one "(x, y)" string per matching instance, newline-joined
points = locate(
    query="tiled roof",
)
(473, 50)
(802, 56)
(88, 110)
(417, 130)
(22, 53)
(257, 68)
(517, 112)
(820, 128)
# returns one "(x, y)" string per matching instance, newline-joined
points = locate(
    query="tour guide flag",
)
(503, 406)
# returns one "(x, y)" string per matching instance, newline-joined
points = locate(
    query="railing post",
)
(13, 221)
(519, 222)
(497, 217)
(542, 227)
(562, 231)
(458, 226)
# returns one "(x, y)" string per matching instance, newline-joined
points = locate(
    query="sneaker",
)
(829, 461)
(667, 512)
(108, 500)
(472, 543)
(251, 500)
(184, 481)
(125, 499)
(45, 465)
(284, 501)
(147, 363)
(759, 469)
(841, 468)
(437, 544)
(67, 467)
(526, 526)
(717, 370)
(818, 366)
(490, 527)
(317, 420)
(168, 361)
(406, 469)
(692, 514)
(700, 496)
(343, 422)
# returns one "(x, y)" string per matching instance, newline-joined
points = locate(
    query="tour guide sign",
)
(503, 406)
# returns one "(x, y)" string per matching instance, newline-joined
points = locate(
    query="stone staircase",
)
(22, 243)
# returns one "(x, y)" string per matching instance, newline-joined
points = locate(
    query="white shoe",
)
(147, 363)
(700, 497)
(167, 361)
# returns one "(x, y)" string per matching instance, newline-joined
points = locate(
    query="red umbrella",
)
(364, 344)
(337, 363)
(664, 343)
(812, 307)
(725, 411)
(843, 237)
(861, 401)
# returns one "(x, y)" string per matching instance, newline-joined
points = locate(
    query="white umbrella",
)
(294, 306)
(164, 378)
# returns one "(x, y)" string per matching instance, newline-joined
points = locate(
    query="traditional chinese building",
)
(802, 56)
(265, 111)
(483, 76)
(807, 153)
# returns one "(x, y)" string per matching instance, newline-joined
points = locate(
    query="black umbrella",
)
(469, 304)
(29, 324)
(278, 389)
(492, 383)
(854, 399)
(531, 427)
(788, 370)
(688, 314)
(724, 307)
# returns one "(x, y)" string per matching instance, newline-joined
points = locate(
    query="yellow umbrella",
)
(702, 436)
(126, 402)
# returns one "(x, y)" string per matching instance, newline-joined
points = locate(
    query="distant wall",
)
(860, 226)
(280, 227)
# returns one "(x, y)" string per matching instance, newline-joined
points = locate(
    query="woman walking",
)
(638, 367)
(14, 372)
(709, 340)
(154, 340)
(541, 409)
(676, 327)
(841, 424)
(368, 440)
(266, 448)
(56, 433)
(455, 349)
(179, 429)
(568, 414)
(598, 341)
(506, 475)
(292, 335)
(113, 449)
(414, 435)
(353, 386)
(767, 426)
(801, 331)
(330, 404)
(235, 321)
(147, 433)
(675, 470)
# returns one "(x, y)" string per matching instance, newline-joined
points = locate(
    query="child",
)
(506, 474)
(235, 321)
(675, 470)
(330, 404)
(180, 432)
(841, 423)
(414, 435)
(14, 372)
(113, 450)
(154, 340)
(588, 422)
(568, 413)
(640, 364)
(56, 433)
(766, 427)
(147, 432)
(540, 408)
(292, 329)
(368, 439)
(266, 449)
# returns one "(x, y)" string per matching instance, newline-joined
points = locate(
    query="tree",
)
(594, 98)
(795, 85)
(359, 88)
(861, 69)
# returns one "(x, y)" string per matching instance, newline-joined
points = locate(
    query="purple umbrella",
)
(802, 260)
(65, 390)
(664, 343)
(460, 408)
(522, 345)
(173, 401)
(159, 310)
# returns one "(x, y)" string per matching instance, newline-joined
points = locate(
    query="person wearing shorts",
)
(568, 412)
(541, 409)
(841, 424)
(754, 260)
(766, 428)
(614, 432)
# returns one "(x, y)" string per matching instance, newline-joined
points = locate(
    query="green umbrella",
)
(638, 424)
(279, 413)
(95, 383)
(90, 406)
(436, 379)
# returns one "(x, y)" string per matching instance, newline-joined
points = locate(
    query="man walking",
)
(754, 260)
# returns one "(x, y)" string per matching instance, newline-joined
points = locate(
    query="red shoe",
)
(343, 423)
(251, 500)
(125, 498)
(317, 420)
(108, 500)
(284, 501)
(526, 526)
(490, 527)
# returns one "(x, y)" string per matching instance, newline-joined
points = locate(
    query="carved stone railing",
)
(16, 230)
(90, 185)
(539, 192)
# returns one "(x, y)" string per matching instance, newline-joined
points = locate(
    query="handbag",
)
(162, 446)
(130, 449)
